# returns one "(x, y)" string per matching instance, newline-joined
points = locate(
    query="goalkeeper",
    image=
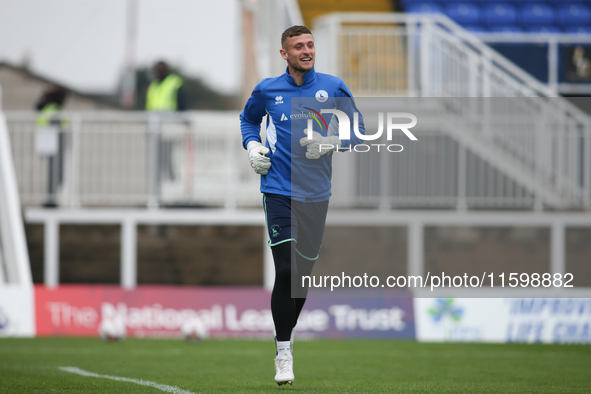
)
(295, 167)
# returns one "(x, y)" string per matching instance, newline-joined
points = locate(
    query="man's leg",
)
(304, 268)
(283, 306)
(282, 236)
(311, 221)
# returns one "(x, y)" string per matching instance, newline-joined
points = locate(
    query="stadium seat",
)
(420, 7)
(544, 29)
(582, 30)
(500, 14)
(505, 29)
(475, 29)
(406, 4)
(536, 15)
(557, 3)
(526, 2)
(464, 13)
(574, 15)
(443, 3)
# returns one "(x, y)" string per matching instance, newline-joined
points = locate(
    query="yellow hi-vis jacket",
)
(47, 114)
(162, 95)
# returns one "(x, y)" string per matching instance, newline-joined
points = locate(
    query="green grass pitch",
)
(321, 366)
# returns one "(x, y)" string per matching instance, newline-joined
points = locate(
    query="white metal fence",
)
(440, 170)
(134, 159)
(128, 160)
(415, 222)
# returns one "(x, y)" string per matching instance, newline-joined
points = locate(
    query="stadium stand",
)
(543, 29)
(504, 29)
(578, 29)
(464, 13)
(574, 14)
(499, 14)
(427, 8)
(540, 36)
(516, 16)
(536, 14)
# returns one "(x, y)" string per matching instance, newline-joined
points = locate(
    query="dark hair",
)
(293, 31)
(56, 94)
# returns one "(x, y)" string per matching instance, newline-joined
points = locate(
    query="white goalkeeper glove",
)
(256, 156)
(319, 145)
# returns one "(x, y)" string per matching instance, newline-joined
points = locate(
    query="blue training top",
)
(289, 107)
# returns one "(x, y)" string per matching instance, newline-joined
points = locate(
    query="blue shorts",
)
(291, 220)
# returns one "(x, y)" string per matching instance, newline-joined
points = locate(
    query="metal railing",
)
(134, 159)
(428, 55)
(125, 160)
(541, 141)
(138, 160)
(416, 224)
(439, 170)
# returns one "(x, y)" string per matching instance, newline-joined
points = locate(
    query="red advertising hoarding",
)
(77, 310)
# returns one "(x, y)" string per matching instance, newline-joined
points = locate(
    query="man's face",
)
(299, 52)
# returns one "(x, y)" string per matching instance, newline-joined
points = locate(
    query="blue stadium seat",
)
(557, 3)
(406, 3)
(525, 2)
(446, 2)
(582, 30)
(536, 15)
(475, 29)
(421, 7)
(500, 14)
(464, 13)
(411, 3)
(505, 29)
(544, 29)
(574, 14)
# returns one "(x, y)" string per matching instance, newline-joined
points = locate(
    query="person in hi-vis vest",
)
(165, 93)
(166, 96)
(50, 139)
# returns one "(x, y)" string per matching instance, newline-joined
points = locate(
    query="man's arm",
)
(251, 117)
(346, 103)
(250, 127)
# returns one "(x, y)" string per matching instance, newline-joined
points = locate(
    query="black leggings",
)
(284, 308)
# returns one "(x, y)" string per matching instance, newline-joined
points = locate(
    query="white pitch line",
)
(163, 387)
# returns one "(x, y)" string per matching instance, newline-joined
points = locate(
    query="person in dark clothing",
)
(50, 138)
